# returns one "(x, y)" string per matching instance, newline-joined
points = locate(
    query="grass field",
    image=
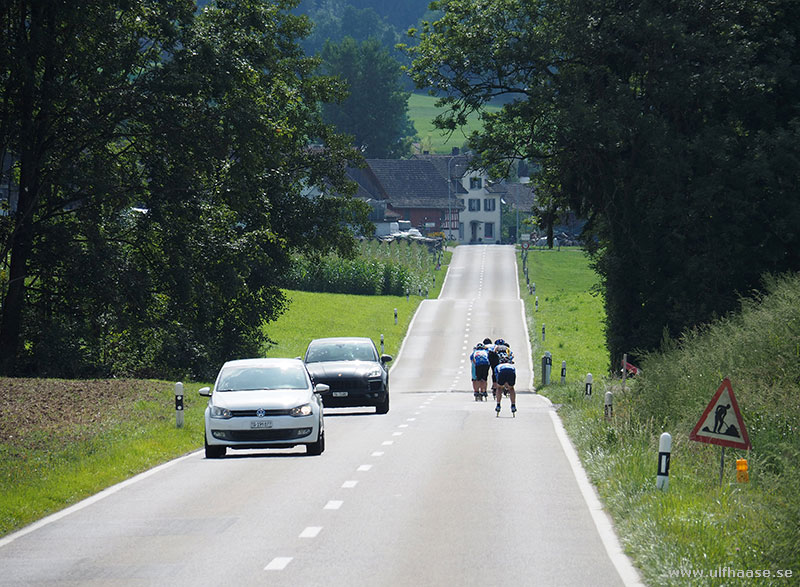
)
(422, 110)
(570, 310)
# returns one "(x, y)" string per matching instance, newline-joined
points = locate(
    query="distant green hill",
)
(422, 110)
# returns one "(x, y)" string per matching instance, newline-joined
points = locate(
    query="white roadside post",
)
(395, 316)
(547, 365)
(563, 371)
(179, 405)
(664, 451)
(589, 380)
(543, 332)
(381, 344)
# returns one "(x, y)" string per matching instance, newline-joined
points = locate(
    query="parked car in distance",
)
(263, 403)
(355, 373)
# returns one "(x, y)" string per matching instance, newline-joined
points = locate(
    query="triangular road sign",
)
(722, 422)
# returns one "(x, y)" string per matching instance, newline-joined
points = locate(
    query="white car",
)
(263, 403)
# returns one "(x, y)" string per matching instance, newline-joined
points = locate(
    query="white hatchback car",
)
(263, 403)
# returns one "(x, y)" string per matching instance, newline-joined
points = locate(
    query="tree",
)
(376, 111)
(673, 127)
(335, 20)
(163, 161)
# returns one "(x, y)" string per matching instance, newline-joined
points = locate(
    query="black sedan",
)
(353, 369)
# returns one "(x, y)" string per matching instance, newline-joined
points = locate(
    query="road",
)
(438, 491)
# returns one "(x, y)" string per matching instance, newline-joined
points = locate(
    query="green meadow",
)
(422, 110)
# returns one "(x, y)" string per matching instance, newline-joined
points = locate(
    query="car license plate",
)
(339, 394)
(261, 424)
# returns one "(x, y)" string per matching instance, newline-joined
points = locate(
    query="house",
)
(411, 190)
(439, 193)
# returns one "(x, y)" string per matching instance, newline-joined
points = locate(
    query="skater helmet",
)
(479, 346)
(487, 341)
(500, 341)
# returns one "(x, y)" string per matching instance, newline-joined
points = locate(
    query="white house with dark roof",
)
(480, 220)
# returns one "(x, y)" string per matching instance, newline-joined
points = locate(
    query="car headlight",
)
(304, 410)
(221, 413)
(376, 372)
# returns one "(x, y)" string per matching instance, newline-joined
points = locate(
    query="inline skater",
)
(506, 378)
(480, 371)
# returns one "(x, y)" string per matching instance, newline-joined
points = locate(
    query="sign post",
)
(722, 424)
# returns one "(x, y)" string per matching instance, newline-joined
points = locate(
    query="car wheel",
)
(318, 447)
(383, 407)
(214, 451)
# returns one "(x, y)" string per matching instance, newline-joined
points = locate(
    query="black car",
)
(353, 369)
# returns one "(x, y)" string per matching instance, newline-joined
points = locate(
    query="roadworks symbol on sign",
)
(722, 423)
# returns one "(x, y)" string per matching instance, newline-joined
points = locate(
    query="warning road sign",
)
(722, 423)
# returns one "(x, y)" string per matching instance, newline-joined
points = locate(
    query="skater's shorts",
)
(506, 377)
(481, 372)
(474, 375)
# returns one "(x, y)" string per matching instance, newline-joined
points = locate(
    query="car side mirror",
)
(204, 391)
(321, 388)
(386, 358)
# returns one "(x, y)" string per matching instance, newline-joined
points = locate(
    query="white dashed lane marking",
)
(311, 532)
(333, 505)
(278, 563)
(349, 484)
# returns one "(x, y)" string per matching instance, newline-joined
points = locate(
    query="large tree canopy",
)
(672, 126)
(165, 161)
(375, 112)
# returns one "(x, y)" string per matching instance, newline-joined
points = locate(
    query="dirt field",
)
(34, 411)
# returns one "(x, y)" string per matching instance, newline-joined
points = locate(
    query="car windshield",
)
(340, 351)
(245, 378)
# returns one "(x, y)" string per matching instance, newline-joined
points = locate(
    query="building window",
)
(474, 204)
(475, 183)
(488, 229)
(489, 204)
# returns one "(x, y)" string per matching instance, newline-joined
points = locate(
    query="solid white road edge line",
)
(90, 500)
(602, 522)
(605, 528)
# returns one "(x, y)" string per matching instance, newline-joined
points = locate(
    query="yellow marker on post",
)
(742, 475)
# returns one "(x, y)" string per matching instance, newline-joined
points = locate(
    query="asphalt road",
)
(438, 491)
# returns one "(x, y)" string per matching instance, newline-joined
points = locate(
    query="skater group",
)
(495, 357)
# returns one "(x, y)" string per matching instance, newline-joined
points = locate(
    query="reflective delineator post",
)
(608, 405)
(395, 315)
(179, 405)
(563, 371)
(381, 344)
(547, 362)
(664, 451)
(589, 380)
(542, 332)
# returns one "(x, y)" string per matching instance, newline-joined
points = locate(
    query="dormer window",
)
(475, 183)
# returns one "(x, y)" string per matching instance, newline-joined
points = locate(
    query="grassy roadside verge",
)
(698, 532)
(63, 441)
